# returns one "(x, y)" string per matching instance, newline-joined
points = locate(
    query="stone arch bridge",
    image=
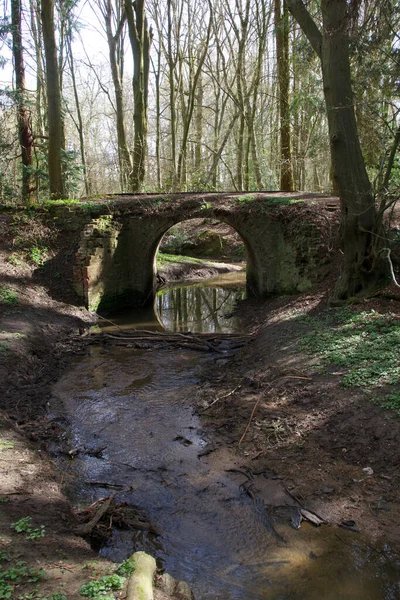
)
(288, 239)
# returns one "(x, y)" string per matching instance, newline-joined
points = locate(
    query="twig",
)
(108, 321)
(220, 398)
(251, 418)
(259, 399)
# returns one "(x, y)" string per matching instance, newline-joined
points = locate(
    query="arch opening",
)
(200, 274)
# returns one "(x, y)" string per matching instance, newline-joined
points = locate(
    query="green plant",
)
(100, 587)
(6, 445)
(206, 206)
(8, 297)
(24, 525)
(127, 567)
(390, 402)
(4, 347)
(17, 575)
(15, 259)
(245, 199)
(365, 345)
(37, 255)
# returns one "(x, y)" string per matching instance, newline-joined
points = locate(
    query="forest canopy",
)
(185, 95)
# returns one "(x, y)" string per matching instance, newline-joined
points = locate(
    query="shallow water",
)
(196, 307)
(138, 406)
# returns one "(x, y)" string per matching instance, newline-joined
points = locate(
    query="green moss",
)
(304, 286)
(283, 201)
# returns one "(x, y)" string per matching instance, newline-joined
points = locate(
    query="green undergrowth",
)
(8, 297)
(177, 258)
(15, 573)
(98, 589)
(18, 581)
(365, 346)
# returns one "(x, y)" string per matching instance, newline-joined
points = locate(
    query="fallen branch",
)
(86, 528)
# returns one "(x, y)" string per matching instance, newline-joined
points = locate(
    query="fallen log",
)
(140, 585)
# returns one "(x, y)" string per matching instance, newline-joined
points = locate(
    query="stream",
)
(135, 411)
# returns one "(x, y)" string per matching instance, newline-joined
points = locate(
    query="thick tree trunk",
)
(54, 115)
(23, 114)
(282, 57)
(361, 233)
(362, 270)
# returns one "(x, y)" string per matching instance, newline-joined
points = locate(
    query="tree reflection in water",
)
(199, 309)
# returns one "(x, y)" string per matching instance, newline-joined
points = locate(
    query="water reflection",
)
(198, 308)
(204, 307)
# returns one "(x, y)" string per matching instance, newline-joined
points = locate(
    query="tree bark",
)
(282, 57)
(79, 124)
(54, 115)
(23, 114)
(361, 232)
(140, 38)
(124, 155)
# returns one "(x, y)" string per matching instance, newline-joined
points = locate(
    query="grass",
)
(364, 345)
(177, 258)
(6, 445)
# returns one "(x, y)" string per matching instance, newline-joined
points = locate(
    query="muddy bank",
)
(335, 450)
(178, 268)
(39, 337)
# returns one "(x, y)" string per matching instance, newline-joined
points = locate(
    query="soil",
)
(307, 430)
(204, 238)
(185, 269)
(332, 448)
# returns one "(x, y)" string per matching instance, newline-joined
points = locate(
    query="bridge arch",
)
(115, 264)
(249, 254)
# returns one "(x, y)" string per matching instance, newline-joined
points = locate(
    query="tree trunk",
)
(124, 156)
(23, 114)
(40, 94)
(282, 57)
(139, 36)
(54, 116)
(79, 124)
(361, 233)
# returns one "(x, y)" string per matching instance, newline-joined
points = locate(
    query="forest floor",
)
(333, 449)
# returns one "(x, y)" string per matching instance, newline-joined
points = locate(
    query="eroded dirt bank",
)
(335, 451)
